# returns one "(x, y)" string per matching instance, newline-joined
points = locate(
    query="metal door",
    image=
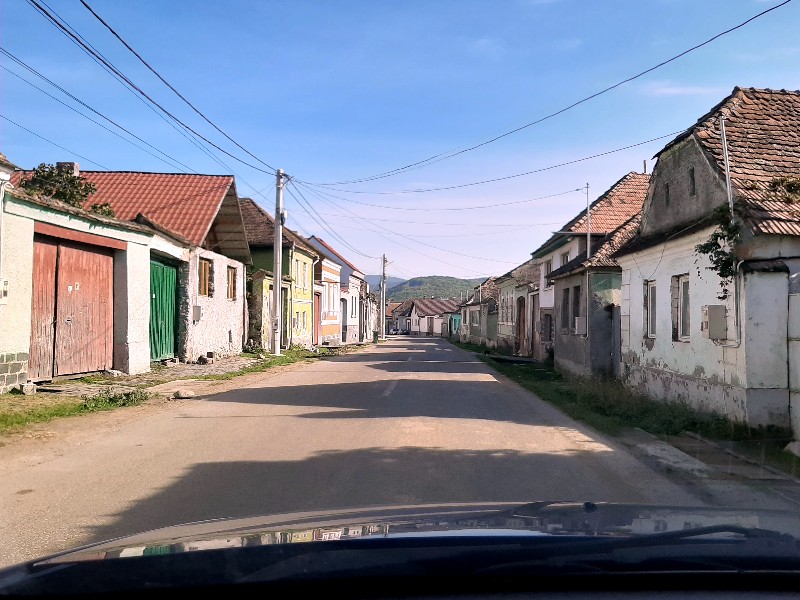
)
(163, 299)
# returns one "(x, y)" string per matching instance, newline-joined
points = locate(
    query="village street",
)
(404, 422)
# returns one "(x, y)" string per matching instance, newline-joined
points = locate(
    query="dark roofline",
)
(336, 254)
(152, 173)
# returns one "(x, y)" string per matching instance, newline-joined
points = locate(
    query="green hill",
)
(432, 286)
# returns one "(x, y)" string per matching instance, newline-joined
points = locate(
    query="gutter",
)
(5, 178)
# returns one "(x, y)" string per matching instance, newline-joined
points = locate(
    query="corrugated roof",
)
(619, 203)
(435, 306)
(259, 226)
(762, 129)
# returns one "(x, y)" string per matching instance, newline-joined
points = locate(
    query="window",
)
(565, 309)
(354, 307)
(547, 327)
(650, 308)
(681, 311)
(297, 272)
(564, 259)
(547, 268)
(576, 306)
(666, 194)
(305, 321)
(475, 317)
(204, 278)
(692, 184)
(305, 276)
(231, 283)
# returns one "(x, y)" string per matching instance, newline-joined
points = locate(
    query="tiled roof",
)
(487, 291)
(6, 163)
(404, 309)
(762, 129)
(618, 204)
(435, 306)
(603, 252)
(391, 306)
(181, 203)
(334, 253)
(260, 228)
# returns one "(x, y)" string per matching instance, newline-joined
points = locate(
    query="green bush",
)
(108, 399)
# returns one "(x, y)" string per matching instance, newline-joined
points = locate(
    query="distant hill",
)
(374, 282)
(433, 286)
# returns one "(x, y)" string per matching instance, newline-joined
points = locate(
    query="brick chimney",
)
(72, 167)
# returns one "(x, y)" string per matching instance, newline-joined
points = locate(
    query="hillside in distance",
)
(435, 286)
(374, 282)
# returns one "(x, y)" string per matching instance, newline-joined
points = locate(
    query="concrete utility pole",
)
(277, 268)
(588, 226)
(383, 298)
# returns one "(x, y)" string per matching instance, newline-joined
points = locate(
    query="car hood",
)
(440, 520)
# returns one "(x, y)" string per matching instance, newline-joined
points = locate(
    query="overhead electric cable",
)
(53, 143)
(165, 82)
(496, 179)
(450, 154)
(119, 74)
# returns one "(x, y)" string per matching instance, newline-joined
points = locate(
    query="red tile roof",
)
(333, 252)
(619, 203)
(435, 306)
(183, 204)
(762, 129)
(260, 228)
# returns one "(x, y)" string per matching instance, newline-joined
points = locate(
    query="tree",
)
(60, 183)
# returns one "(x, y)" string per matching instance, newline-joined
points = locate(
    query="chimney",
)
(71, 167)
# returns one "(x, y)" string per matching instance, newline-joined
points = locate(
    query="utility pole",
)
(277, 268)
(383, 298)
(588, 226)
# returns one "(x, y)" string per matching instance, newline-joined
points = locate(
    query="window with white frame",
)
(681, 319)
(564, 258)
(546, 269)
(650, 308)
(475, 317)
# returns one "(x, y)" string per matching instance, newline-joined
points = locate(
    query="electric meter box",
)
(714, 322)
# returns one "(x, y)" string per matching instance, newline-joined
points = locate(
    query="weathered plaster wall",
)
(663, 211)
(15, 314)
(220, 328)
(710, 376)
(132, 309)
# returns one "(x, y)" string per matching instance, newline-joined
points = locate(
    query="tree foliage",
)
(60, 183)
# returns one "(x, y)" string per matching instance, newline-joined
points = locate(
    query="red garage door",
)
(72, 328)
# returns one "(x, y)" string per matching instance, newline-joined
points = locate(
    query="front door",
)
(519, 337)
(163, 300)
(430, 325)
(344, 319)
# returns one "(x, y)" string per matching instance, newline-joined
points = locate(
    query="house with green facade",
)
(297, 287)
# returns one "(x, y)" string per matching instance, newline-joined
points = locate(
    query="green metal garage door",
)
(163, 279)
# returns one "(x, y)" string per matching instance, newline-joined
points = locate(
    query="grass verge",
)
(609, 406)
(16, 410)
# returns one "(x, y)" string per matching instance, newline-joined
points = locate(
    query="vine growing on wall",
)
(720, 246)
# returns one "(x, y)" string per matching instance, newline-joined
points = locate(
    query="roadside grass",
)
(609, 406)
(18, 410)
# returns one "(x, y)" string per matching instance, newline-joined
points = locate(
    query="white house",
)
(608, 212)
(723, 336)
(427, 315)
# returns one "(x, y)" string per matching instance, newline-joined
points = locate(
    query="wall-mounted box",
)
(714, 322)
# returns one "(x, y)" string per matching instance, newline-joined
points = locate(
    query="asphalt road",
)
(407, 421)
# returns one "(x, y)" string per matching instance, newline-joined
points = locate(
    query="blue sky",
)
(341, 91)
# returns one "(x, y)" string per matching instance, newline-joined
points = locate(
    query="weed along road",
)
(407, 421)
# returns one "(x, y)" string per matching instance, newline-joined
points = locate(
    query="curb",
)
(741, 457)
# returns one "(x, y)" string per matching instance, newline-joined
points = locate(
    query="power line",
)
(450, 154)
(474, 224)
(421, 243)
(53, 143)
(117, 73)
(485, 181)
(165, 82)
(72, 108)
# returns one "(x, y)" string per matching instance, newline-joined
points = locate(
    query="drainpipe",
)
(314, 325)
(736, 285)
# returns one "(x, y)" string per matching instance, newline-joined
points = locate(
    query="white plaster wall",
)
(221, 325)
(709, 375)
(132, 309)
(17, 263)
(546, 295)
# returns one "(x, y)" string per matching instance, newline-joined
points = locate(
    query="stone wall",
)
(13, 370)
